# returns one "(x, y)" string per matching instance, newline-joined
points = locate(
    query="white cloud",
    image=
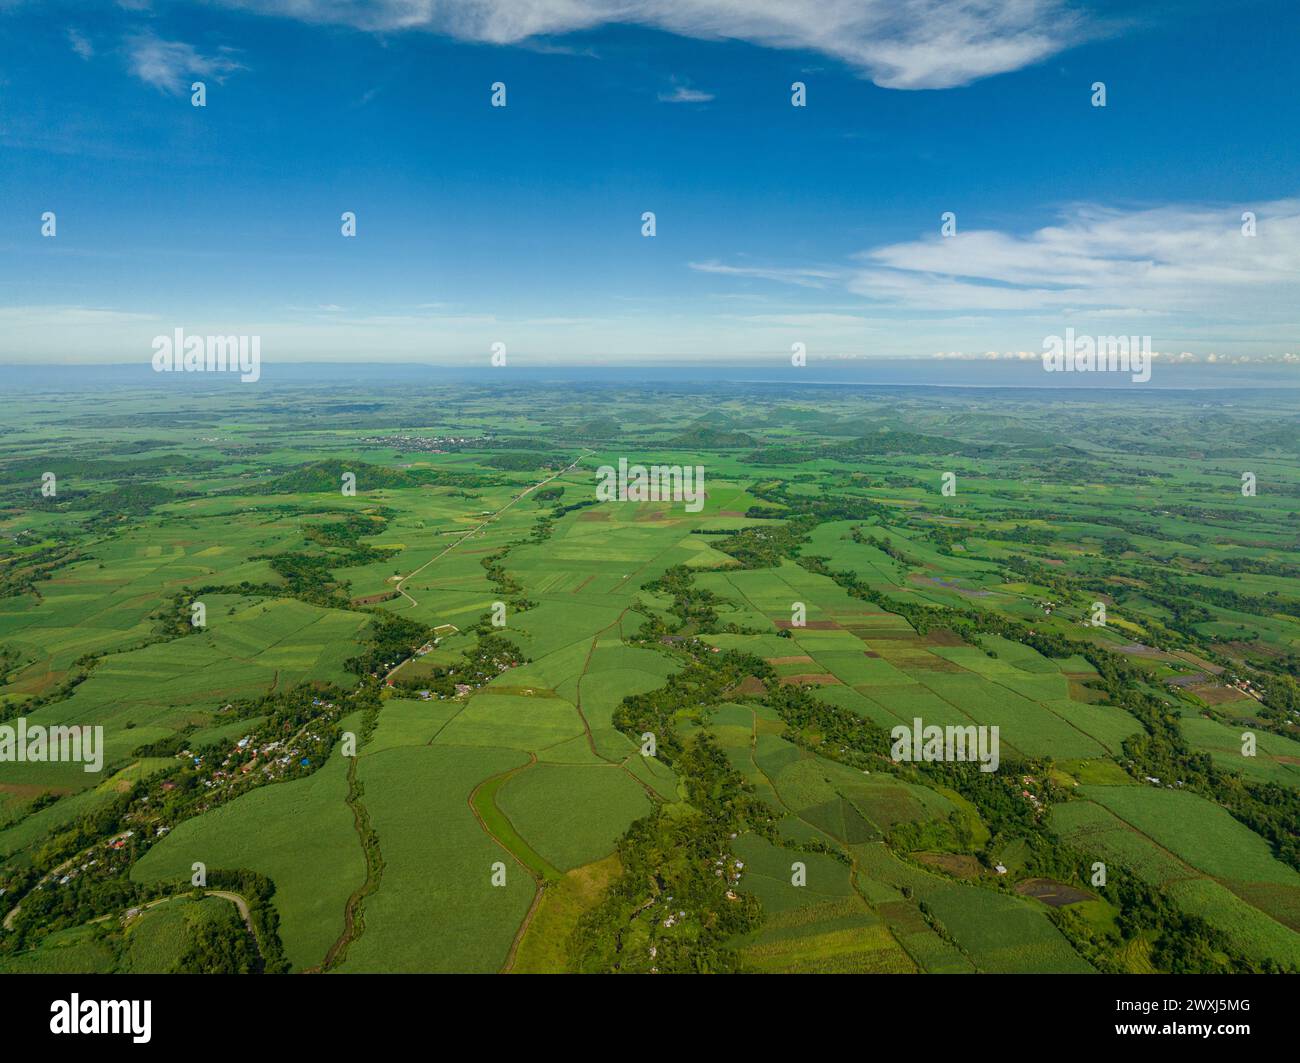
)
(682, 94)
(803, 278)
(1185, 275)
(1177, 260)
(169, 65)
(902, 44)
(59, 316)
(80, 43)
(813, 320)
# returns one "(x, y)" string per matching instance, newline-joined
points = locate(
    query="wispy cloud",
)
(803, 278)
(902, 44)
(51, 316)
(1172, 261)
(685, 94)
(80, 43)
(169, 65)
(1103, 261)
(1184, 273)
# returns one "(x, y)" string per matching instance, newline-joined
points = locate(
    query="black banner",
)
(177, 1012)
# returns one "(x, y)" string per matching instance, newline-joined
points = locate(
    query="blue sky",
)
(522, 224)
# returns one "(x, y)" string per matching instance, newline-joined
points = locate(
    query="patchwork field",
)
(473, 719)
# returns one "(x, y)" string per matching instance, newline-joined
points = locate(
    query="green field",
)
(419, 787)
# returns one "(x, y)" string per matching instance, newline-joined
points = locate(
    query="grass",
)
(1197, 831)
(572, 814)
(436, 908)
(484, 800)
(543, 949)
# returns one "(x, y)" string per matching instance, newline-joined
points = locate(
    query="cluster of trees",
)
(173, 619)
(802, 513)
(486, 659)
(695, 608)
(1161, 580)
(703, 681)
(217, 946)
(880, 444)
(674, 851)
(766, 545)
(309, 576)
(669, 862)
(257, 890)
(510, 589)
(320, 477)
(346, 534)
(390, 639)
(525, 461)
(1061, 584)
(1024, 533)
(886, 546)
(12, 658)
(24, 571)
(560, 511)
(125, 500)
(1259, 566)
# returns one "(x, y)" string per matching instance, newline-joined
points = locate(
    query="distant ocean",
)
(866, 374)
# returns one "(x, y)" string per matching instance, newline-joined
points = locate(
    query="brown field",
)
(1279, 901)
(927, 664)
(1203, 665)
(1052, 893)
(1213, 694)
(824, 679)
(1258, 649)
(25, 790)
(1079, 692)
(1137, 649)
(941, 636)
(1186, 680)
(960, 865)
(372, 599)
